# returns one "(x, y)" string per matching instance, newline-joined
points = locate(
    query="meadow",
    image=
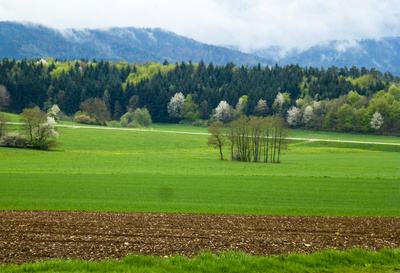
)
(154, 171)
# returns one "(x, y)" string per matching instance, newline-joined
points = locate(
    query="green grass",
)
(341, 136)
(135, 171)
(327, 261)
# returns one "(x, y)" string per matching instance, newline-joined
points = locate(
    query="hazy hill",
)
(383, 54)
(26, 40)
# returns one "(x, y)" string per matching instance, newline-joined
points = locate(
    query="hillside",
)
(28, 40)
(382, 54)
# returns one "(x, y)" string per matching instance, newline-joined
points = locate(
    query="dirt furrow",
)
(40, 235)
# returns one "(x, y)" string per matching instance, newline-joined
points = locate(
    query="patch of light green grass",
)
(297, 133)
(327, 261)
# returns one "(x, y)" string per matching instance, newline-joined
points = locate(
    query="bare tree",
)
(217, 138)
(254, 138)
(3, 124)
(281, 129)
(4, 97)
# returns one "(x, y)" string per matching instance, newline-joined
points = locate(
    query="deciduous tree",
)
(40, 129)
(224, 112)
(175, 105)
(217, 139)
(4, 97)
(376, 121)
(97, 109)
(293, 116)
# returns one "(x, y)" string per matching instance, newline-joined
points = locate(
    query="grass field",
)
(327, 261)
(149, 171)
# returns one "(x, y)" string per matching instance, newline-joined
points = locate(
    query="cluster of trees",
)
(190, 93)
(257, 139)
(38, 130)
(351, 112)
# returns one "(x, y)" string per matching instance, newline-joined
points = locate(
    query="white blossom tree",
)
(175, 105)
(293, 116)
(40, 129)
(53, 112)
(376, 121)
(279, 100)
(224, 112)
(308, 114)
(261, 109)
(281, 103)
(317, 105)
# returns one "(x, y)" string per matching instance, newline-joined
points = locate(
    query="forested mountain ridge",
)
(26, 40)
(382, 54)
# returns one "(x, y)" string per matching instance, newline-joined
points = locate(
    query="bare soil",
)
(27, 236)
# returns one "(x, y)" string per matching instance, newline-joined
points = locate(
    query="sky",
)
(246, 24)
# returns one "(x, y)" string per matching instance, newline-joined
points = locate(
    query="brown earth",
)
(41, 235)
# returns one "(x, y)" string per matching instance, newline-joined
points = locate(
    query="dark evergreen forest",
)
(125, 86)
(31, 83)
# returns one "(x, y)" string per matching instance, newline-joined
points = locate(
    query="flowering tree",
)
(308, 114)
(279, 100)
(40, 129)
(261, 109)
(293, 116)
(376, 121)
(175, 105)
(53, 112)
(281, 103)
(224, 112)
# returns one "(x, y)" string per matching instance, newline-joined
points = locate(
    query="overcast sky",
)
(248, 24)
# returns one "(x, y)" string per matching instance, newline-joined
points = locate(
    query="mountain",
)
(27, 40)
(382, 54)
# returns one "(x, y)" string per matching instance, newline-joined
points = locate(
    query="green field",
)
(327, 261)
(150, 171)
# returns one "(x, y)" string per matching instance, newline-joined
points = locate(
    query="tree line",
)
(207, 91)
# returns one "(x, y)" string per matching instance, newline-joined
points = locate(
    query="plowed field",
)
(41, 235)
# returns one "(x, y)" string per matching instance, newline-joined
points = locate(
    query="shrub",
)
(124, 122)
(114, 123)
(134, 124)
(138, 118)
(14, 140)
(85, 119)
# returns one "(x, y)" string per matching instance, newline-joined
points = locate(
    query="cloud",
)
(251, 24)
(343, 45)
